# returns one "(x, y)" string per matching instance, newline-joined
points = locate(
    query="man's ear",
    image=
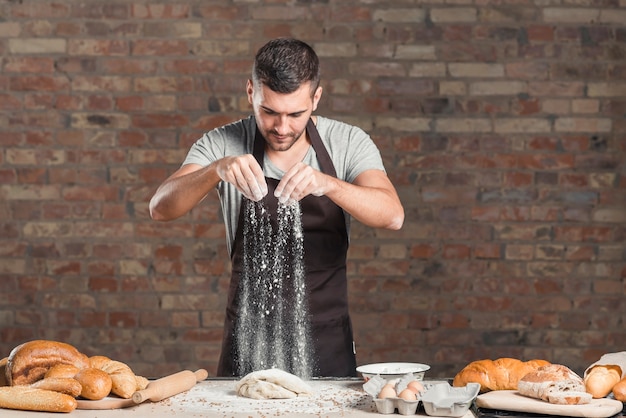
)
(249, 90)
(316, 97)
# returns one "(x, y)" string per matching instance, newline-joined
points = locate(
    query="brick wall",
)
(502, 124)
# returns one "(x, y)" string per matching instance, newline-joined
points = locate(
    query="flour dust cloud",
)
(273, 328)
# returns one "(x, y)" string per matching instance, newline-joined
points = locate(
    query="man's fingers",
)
(245, 173)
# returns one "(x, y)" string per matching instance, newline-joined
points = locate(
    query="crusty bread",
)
(3, 372)
(619, 390)
(499, 374)
(96, 383)
(142, 382)
(554, 383)
(66, 385)
(62, 370)
(600, 379)
(570, 398)
(124, 382)
(29, 362)
(31, 399)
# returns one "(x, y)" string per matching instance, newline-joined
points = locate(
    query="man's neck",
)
(284, 160)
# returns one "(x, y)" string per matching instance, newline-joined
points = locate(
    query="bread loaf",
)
(96, 383)
(29, 362)
(619, 390)
(124, 382)
(556, 384)
(500, 374)
(600, 379)
(3, 372)
(31, 399)
(65, 385)
(62, 370)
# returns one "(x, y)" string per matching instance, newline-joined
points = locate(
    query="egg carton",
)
(439, 399)
(390, 405)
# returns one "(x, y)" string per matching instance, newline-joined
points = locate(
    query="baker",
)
(283, 154)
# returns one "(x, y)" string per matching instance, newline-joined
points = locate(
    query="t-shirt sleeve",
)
(366, 157)
(216, 144)
(352, 150)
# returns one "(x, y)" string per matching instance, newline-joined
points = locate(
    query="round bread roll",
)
(62, 370)
(599, 381)
(96, 383)
(619, 390)
(29, 362)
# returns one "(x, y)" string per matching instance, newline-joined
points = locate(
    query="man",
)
(284, 154)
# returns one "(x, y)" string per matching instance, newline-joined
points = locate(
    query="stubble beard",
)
(283, 146)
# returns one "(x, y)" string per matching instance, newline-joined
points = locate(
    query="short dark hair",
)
(284, 64)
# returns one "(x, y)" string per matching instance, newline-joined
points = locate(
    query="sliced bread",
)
(554, 383)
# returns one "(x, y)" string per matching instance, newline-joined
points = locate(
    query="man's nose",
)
(280, 125)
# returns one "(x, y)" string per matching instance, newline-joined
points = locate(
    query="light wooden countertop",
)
(217, 398)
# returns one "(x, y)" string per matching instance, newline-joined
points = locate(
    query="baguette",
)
(619, 390)
(65, 385)
(31, 399)
(500, 374)
(599, 381)
(29, 362)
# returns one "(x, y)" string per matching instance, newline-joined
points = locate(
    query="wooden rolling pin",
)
(171, 385)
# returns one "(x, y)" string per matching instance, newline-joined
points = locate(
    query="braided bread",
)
(124, 382)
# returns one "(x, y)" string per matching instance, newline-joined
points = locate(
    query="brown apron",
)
(325, 248)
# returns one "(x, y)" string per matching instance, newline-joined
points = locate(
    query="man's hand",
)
(244, 172)
(300, 181)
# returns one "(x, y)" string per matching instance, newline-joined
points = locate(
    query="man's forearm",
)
(376, 204)
(182, 191)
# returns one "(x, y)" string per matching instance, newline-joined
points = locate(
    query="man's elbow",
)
(395, 218)
(396, 222)
(155, 213)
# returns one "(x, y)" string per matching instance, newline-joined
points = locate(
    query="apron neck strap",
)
(323, 157)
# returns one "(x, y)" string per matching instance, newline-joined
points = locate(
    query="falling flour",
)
(273, 328)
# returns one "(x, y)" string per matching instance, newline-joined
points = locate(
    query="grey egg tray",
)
(439, 399)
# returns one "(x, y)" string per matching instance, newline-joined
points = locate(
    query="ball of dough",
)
(96, 383)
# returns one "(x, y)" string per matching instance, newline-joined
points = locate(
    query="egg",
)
(387, 391)
(416, 386)
(408, 395)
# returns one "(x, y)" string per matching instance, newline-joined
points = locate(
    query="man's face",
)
(282, 118)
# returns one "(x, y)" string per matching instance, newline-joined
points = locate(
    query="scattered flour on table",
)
(273, 330)
(218, 398)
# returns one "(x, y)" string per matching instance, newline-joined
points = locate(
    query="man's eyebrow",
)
(269, 109)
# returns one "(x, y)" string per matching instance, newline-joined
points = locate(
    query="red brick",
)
(422, 251)
(487, 251)
(518, 179)
(159, 48)
(103, 284)
(123, 319)
(540, 33)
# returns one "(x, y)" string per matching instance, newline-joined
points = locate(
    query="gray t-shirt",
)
(350, 148)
